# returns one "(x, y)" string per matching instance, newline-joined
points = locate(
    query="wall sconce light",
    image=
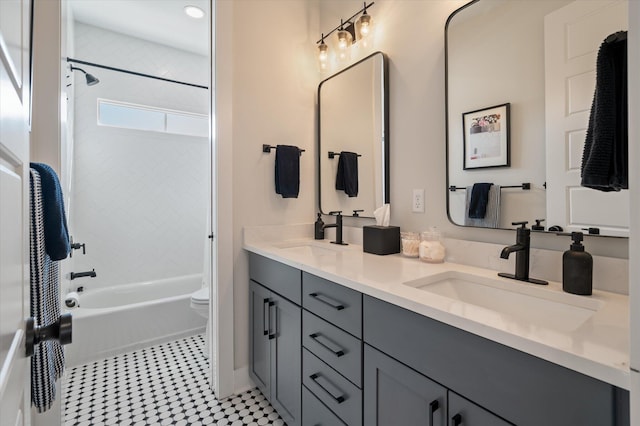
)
(346, 33)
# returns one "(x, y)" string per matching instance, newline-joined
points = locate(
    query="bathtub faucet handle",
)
(77, 246)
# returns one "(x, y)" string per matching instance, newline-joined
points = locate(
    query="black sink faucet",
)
(338, 226)
(521, 248)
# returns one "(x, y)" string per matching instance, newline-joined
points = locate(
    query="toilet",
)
(200, 303)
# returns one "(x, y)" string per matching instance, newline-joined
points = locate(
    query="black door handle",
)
(317, 378)
(336, 350)
(456, 420)
(59, 330)
(433, 407)
(272, 335)
(265, 327)
(328, 301)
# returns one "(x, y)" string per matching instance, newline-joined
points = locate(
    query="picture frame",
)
(486, 134)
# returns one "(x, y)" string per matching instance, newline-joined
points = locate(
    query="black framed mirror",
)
(515, 53)
(353, 138)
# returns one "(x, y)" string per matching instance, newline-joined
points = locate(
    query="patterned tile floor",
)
(161, 385)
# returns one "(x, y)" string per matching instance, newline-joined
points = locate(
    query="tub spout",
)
(91, 274)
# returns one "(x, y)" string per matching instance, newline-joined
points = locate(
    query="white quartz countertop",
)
(597, 347)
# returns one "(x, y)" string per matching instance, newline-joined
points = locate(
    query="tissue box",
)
(381, 239)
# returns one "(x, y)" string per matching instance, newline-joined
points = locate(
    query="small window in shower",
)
(142, 117)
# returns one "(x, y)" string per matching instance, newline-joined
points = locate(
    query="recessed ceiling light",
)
(194, 12)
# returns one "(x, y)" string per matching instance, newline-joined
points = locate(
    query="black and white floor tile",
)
(161, 385)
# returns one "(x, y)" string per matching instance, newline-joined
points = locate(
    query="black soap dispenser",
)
(577, 268)
(319, 228)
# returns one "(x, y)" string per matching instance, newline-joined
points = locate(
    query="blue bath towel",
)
(56, 233)
(287, 171)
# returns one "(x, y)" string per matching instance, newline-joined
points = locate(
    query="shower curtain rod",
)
(106, 67)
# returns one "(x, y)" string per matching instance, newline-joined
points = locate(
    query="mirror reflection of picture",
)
(486, 137)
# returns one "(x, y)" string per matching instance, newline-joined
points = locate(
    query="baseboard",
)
(241, 380)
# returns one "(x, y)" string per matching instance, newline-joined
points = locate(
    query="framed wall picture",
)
(486, 137)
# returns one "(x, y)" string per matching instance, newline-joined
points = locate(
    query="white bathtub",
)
(123, 318)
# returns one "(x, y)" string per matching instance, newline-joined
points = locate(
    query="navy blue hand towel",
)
(287, 171)
(56, 233)
(479, 200)
(605, 156)
(347, 175)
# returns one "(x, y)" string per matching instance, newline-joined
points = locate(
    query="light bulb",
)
(194, 12)
(365, 24)
(343, 39)
(323, 54)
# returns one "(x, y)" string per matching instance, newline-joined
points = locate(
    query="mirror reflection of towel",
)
(479, 200)
(347, 176)
(491, 217)
(287, 171)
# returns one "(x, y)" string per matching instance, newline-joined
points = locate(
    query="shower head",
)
(91, 79)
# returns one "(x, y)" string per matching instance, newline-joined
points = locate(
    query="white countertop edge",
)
(612, 373)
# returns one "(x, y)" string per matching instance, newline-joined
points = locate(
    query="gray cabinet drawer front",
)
(335, 303)
(339, 349)
(340, 395)
(276, 276)
(315, 413)
(518, 387)
(471, 414)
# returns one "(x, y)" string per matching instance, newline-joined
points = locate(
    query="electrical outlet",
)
(417, 202)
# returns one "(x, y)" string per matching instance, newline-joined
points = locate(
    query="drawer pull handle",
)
(456, 420)
(265, 327)
(328, 301)
(433, 407)
(275, 321)
(317, 378)
(327, 344)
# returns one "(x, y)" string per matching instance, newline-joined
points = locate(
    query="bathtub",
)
(123, 318)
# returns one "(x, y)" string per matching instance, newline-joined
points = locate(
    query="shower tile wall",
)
(138, 198)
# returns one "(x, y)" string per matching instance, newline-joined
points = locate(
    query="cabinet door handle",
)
(456, 420)
(327, 344)
(433, 407)
(265, 327)
(336, 394)
(275, 321)
(327, 301)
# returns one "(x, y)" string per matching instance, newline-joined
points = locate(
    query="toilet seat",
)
(201, 297)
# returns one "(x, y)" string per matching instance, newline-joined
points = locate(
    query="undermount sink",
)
(314, 248)
(509, 300)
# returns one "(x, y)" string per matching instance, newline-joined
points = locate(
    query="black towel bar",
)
(333, 154)
(267, 148)
(524, 186)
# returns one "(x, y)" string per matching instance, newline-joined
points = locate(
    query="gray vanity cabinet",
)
(465, 413)
(516, 386)
(275, 330)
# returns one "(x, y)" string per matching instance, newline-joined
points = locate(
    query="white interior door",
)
(14, 210)
(573, 35)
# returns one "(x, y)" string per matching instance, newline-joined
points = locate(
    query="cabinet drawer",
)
(339, 349)
(276, 276)
(335, 303)
(315, 413)
(340, 395)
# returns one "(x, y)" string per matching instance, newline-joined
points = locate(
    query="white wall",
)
(273, 89)
(139, 198)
